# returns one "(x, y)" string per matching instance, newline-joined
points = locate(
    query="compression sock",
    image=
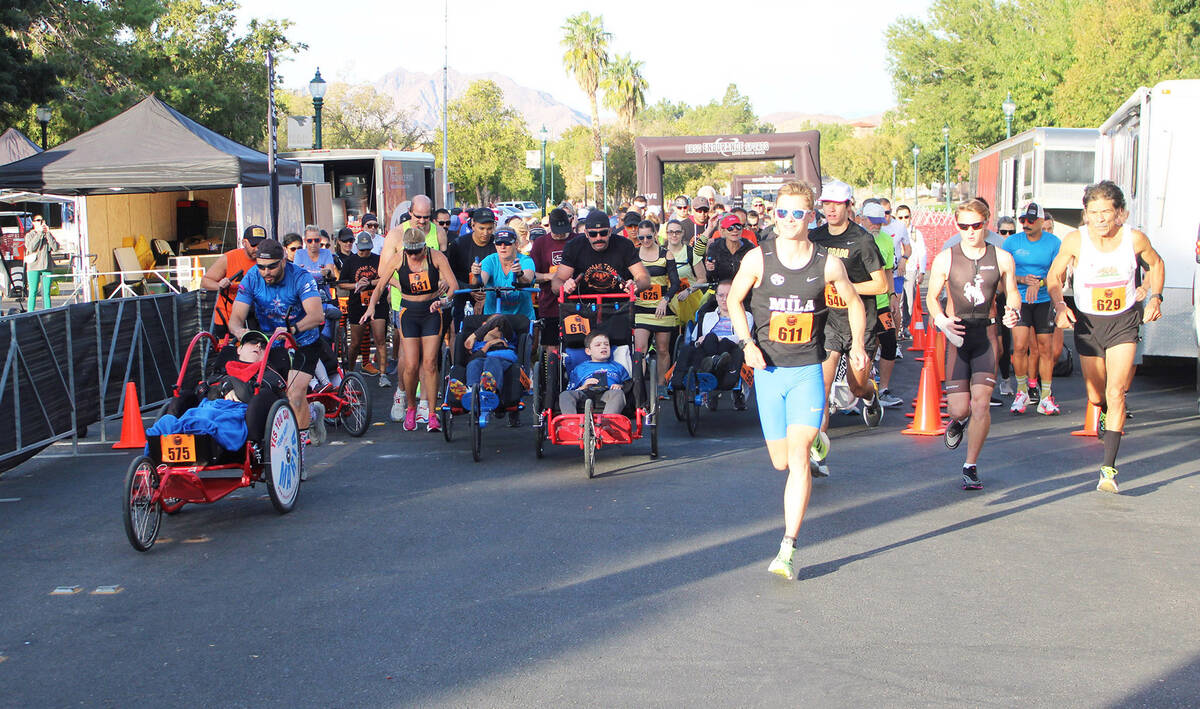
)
(790, 541)
(1045, 390)
(1023, 384)
(1112, 441)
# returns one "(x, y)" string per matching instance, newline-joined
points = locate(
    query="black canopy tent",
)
(15, 145)
(149, 148)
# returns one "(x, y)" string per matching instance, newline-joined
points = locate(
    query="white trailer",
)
(1050, 166)
(1148, 147)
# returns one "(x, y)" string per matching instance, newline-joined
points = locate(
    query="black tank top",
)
(789, 310)
(418, 282)
(972, 283)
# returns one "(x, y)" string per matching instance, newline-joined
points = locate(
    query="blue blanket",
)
(222, 419)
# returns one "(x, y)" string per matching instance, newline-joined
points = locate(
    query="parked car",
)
(524, 210)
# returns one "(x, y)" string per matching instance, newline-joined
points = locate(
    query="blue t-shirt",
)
(303, 260)
(280, 305)
(508, 303)
(1033, 258)
(585, 370)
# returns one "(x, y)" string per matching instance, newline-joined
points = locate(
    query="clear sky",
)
(786, 55)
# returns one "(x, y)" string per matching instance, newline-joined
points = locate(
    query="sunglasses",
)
(419, 216)
(37, 220)
(906, 216)
(443, 223)
(269, 266)
(1006, 232)
(887, 212)
(597, 233)
(647, 237)
(795, 213)
(372, 225)
(312, 241)
(294, 248)
(702, 209)
(970, 227)
(1027, 220)
(504, 243)
(734, 228)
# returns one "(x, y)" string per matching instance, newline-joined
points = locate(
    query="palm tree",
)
(586, 57)
(625, 88)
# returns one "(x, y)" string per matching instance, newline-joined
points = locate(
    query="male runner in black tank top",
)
(972, 272)
(864, 264)
(786, 280)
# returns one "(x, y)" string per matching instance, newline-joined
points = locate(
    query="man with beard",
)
(599, 263)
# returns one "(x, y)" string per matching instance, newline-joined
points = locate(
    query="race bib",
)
(419, 282)
(791, 328)
(885, 319)
(832, 299)
(654, 292)
(576, 325)
(1108, 300)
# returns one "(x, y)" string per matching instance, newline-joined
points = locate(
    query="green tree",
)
(625, 88)
(489, 141)
(586, 57)
(358, 116)
(25, 80)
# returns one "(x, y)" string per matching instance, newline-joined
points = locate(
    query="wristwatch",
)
(1156, 295)
(745, 342)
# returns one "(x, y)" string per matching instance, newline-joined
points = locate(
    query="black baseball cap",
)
(254, 234)
(483, 215)
(251, 336)
(596, 219)
(368, 217)
(270, 249)
(345, 234)
(560, 221)
(631, 219)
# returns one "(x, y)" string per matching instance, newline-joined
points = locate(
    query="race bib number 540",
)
(832, 299)
(791, 328)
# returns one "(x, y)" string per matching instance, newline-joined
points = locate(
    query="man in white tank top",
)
(1106, 315)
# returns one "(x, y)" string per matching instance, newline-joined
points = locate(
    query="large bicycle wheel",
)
(285, 463)
(651, 421)
(142, 515)
(447, 423)
(692, 391)
(589, 439)
(356, 404)
(539, 424)
(476, 429)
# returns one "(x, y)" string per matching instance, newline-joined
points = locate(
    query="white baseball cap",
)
(836, 191)
(874, 211)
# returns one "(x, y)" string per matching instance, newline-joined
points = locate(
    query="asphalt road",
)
(409, 575)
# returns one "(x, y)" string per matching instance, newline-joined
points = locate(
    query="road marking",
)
(10, 499)
(107, 590)
(66, 590)
(198, 540)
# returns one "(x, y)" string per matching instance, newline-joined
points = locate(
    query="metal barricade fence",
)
(64, 369)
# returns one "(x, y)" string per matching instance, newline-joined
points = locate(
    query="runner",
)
(971, 272)
(359, 276)
(547, 254)
(1106, 314)
(227, 272)
(1033, 338)
(786, 280)
(864, 265)
(886, 304)
(721, 258)
(652, 315)
(424, 273)
(599, 263)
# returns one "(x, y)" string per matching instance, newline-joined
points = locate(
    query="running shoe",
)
(398, 405)
(434, 425)
(423, 411)
(954, 434)
(995, 401)
(782, 564)
(370, 369)
(317, 434)
(890, 400)
(970, 479)
(1108, 480)
(872, 411)
(384, 382)
(410, 419)
(1035, 391)
(817, 468)
(739, 400)
(899, 354)
(1020, 402)
(1006, 387)
(1100, 424)
(820, 446)
(391, 366)
(1047, 406)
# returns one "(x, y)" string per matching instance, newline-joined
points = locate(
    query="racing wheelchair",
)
(696, 388)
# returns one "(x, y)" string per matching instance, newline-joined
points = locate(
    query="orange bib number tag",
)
(654, 292)
(885, 319)
(1108, 300)
(178, 448)
(419, 282)
(832, 299)
(576, 325)
(365, 297)
(791, 328)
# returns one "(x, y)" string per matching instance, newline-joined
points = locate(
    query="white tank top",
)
(1104, 281)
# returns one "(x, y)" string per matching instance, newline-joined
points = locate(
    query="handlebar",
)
(495, 289)
(596, 297)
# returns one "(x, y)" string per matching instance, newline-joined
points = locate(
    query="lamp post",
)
(543, 134)
(317, 87)
(43, 117)
(551, 177)
(946, 182)
(604, 204)
(1009, 107)
(916, 196)
(893, 195)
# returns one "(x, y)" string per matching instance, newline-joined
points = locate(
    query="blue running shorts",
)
(789, 396)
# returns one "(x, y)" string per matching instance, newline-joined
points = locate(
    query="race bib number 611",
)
(791, 328)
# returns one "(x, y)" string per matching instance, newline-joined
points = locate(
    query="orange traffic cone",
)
(917, 323)
(927, 420)
(939, 355)
(1091, 422)
(133, 433)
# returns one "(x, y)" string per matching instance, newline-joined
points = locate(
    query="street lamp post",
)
(543, 134)
(1009, 107)
(946, 182)
(893, 196)
(604, 204)
(317, 88)
(916, 196)
(551, 177)
(43, 117)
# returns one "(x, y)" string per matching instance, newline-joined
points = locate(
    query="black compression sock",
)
(1112, 441)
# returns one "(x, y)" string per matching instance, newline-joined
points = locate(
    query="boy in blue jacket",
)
(599, 372)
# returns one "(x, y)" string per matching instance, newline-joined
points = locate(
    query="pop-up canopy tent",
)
(15, 145)
(124, 169)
